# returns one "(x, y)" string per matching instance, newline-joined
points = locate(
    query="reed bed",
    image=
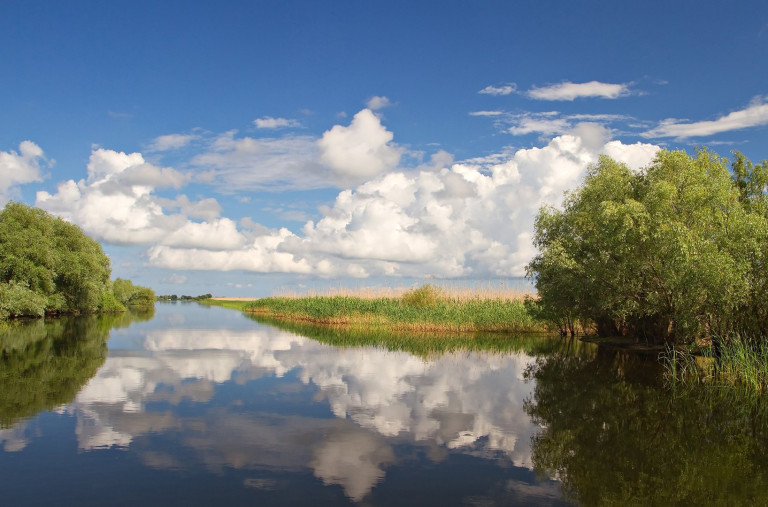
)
(424, 309)
(449, 291)
(743, 365)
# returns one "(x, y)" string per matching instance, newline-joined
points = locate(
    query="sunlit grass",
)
(424, 309)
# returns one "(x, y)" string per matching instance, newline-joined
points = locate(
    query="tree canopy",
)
(48, 265)
(670, 253)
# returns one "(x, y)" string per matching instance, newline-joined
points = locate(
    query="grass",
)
(425, 309)
(743, 365)
(428, 308)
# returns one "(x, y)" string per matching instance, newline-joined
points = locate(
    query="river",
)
(198, 405)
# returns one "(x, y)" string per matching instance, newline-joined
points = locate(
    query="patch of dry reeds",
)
(449, 291)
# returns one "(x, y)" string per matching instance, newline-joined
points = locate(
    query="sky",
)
(246, 148)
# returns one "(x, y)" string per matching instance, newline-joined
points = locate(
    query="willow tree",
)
(669, 253)
(44, 257)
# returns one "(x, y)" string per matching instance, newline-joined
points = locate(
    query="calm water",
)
(203, 406)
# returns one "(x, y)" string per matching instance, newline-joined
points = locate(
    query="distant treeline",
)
(174, 297)
(50, 267)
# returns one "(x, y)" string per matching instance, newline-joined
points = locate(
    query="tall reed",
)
(742, 365)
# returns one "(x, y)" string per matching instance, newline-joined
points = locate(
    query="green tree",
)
(132, 295)
(666, 254)
(52, 258)
(48, 265)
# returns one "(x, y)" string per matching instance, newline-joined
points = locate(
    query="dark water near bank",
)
(195, 405)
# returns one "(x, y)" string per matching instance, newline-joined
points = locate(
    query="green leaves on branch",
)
(670, 253)
(48, 265)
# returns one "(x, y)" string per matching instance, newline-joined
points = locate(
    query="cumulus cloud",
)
(571, 91)
(499, 90)
(267, 122)
(117, 204)
(378, 102)
(447, 219)
(18, 168)
(468, 219)
(754, 115)
(360, 151)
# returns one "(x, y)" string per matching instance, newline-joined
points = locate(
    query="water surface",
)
(201, 405)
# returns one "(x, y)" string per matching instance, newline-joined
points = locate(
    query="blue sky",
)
(236, 147)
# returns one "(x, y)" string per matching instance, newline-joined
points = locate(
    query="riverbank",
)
(425, 309)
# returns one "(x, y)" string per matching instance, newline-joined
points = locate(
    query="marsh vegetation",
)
(428, 308)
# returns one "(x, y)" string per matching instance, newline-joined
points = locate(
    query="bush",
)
(16, 300)
(109, 303)
(426, 295)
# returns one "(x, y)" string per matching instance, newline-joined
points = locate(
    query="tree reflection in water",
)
(43, 364)
(614, 436)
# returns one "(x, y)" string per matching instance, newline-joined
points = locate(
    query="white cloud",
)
(539, 123)
(360, 151)
(443, 218)
(378, 102)
(268, 122)
(486, 113)
(116, 204)
(499, 90)
(261, 255)
(551, 123)
(470, 219)
(754, 115)
(636, 156)
(247, 164)
(171, 142)
(570, 91)
(19, 168)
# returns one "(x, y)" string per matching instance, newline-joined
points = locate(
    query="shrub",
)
(16, 300)
(426, 295)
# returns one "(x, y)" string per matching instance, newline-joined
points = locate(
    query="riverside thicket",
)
(49, 266)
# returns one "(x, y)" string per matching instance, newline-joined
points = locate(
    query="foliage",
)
(49, 266)
(671, 253)
(132, 295)
(51, 258)
(16, 300)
